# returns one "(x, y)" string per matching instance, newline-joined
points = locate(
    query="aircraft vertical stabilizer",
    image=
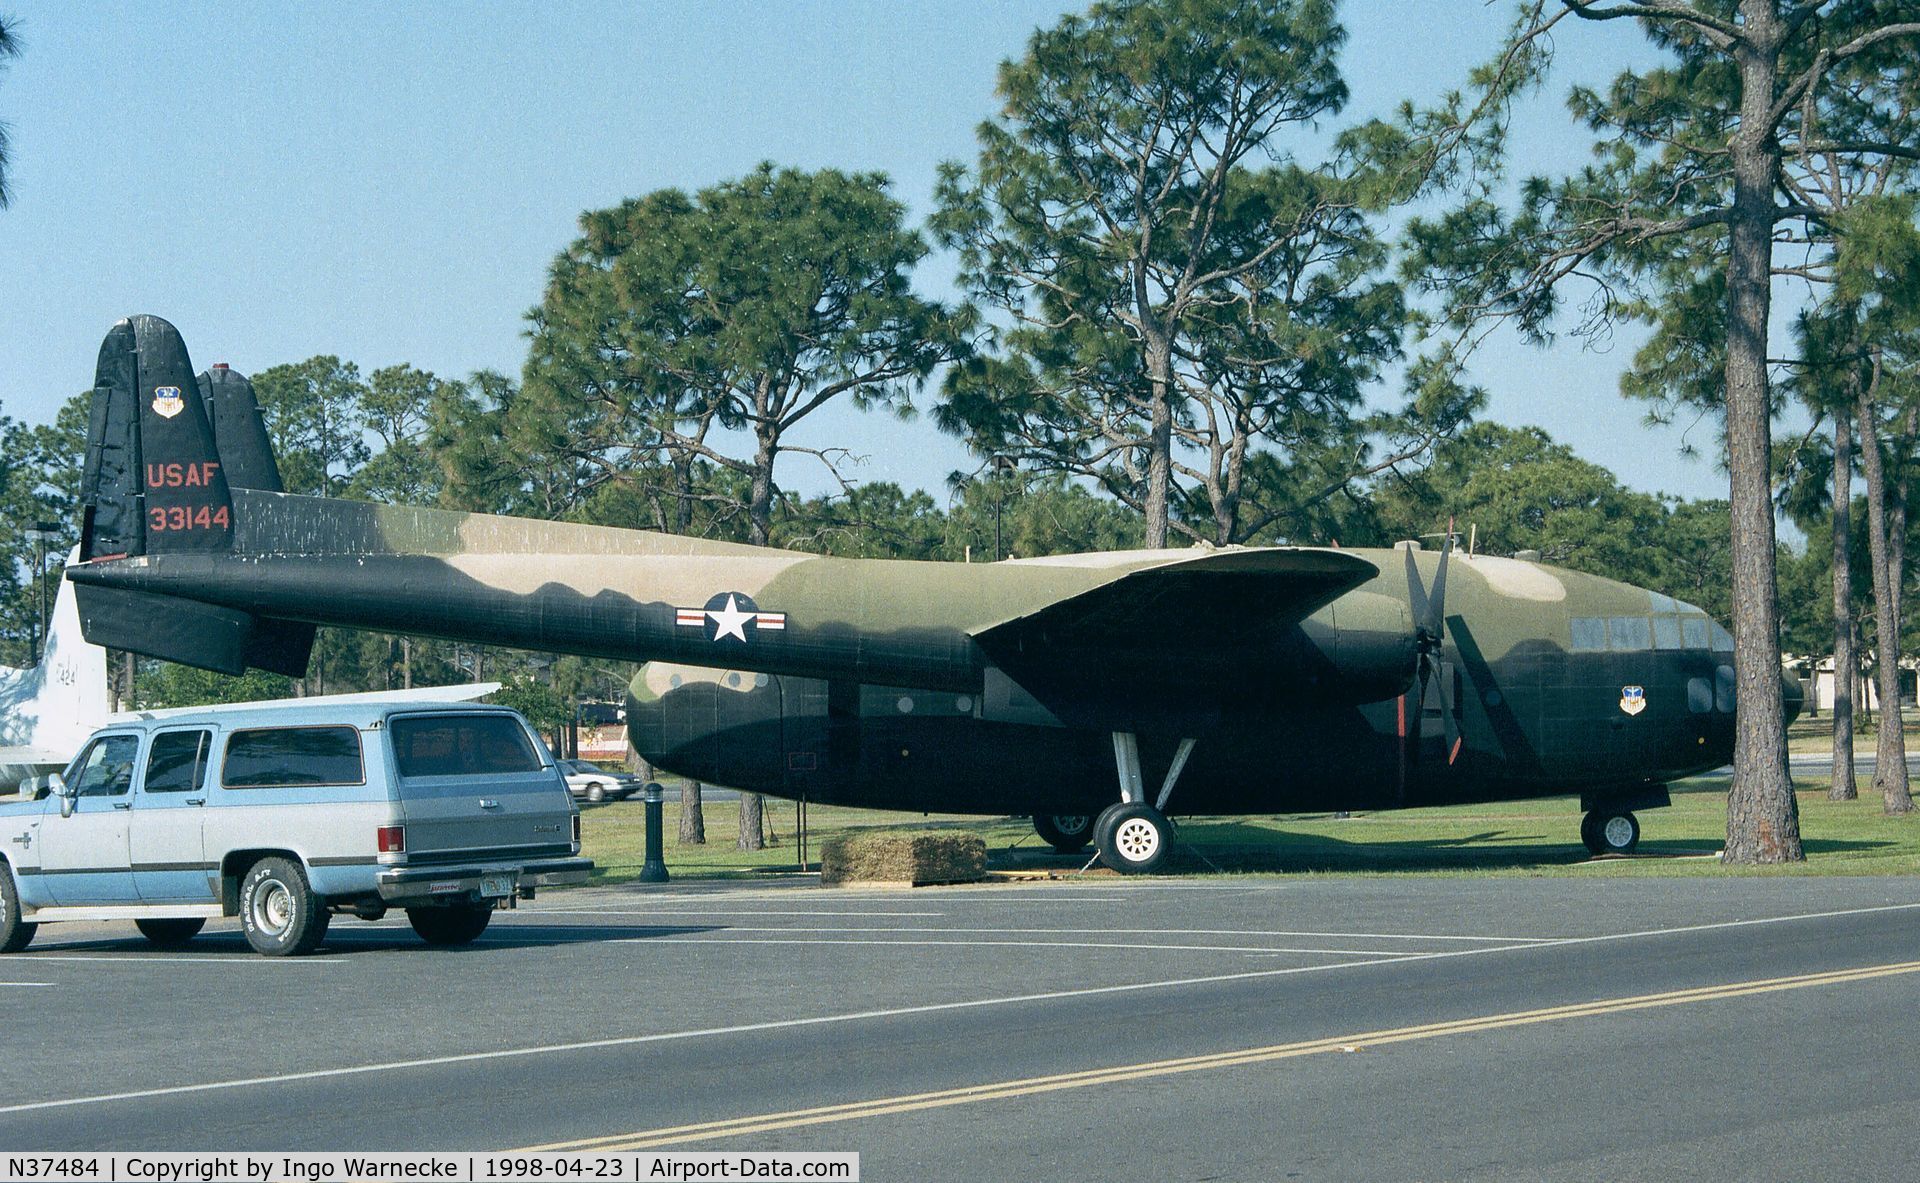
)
(48, 710)
(164, 450)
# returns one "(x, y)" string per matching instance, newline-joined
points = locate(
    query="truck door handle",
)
(123, 805)
(489, 803)
(196, 800)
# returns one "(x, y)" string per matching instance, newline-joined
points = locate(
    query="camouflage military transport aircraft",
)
(1096, 692)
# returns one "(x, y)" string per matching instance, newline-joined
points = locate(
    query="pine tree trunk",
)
(693, 823)
(1159, 438)
(750, 834)
(1890, 750)
(760, 489)
(1763, 818)
(1845, 668)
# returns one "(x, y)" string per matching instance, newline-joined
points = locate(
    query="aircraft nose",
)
(1792, 697)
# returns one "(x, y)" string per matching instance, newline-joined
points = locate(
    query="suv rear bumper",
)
(438, 885)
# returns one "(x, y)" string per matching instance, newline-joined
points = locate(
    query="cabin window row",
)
(1632, 634)
(307, 757)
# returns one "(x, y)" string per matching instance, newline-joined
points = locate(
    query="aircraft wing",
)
(1200, 628)
(10, 757)
(419, 694)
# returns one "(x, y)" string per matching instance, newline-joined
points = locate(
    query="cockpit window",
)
(1666, 632)
(1693, 632)
(1722, 640)
(1589, 633)
(1629, 633)
(1663, 603)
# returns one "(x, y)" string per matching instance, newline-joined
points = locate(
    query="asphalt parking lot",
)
(1186, 1029)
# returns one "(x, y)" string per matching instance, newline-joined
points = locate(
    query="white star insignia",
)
(731, 620)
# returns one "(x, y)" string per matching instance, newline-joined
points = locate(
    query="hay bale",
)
(912, 858)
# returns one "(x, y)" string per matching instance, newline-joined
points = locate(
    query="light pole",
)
(1001, 464)
(41, 533)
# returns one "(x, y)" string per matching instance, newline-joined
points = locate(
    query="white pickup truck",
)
(289, 814)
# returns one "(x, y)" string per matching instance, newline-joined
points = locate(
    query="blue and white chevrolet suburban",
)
(285, 815)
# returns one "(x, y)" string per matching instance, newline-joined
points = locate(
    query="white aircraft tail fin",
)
(48, 710)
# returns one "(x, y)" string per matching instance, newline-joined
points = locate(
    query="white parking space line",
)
(1155, 932)
(150, 959)
(27, 984)
(907, 1011)
(529, 916)
(911, 944)
(497, 937)
(622, 910)
(672, 1036)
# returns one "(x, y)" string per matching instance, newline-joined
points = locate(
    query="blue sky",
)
(388, 182)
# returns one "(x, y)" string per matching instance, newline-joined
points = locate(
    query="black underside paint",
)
(1542, 722)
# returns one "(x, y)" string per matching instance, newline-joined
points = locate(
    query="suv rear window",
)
(459, 745)
(277, 757)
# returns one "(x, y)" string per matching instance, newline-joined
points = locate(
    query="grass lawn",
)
(1816, 735)
(1508, 838)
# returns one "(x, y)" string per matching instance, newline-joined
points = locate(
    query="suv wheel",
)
(278, 910)
(458, 925)
(15, 933)
(170, 934)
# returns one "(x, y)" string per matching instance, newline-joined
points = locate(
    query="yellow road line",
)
(1002, 1090)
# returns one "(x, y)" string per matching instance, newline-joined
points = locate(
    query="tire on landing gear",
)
(1610, 831)
(1134, 838)
(1067, 833)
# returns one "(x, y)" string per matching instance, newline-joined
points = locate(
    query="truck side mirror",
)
(58, 784)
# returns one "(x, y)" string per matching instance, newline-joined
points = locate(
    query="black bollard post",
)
(655, 868)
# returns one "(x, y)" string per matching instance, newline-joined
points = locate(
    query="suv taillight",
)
(393, 839)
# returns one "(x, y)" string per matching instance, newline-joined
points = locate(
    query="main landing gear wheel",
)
(1067, 833)
(1610, 832)
(1134, 838)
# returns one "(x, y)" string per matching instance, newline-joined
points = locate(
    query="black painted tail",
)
(163, 450)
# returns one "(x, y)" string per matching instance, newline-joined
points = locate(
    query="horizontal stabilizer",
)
(166, 627)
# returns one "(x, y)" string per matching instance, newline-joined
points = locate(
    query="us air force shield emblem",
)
(1633, 699)
(730, 616)
(167, 402)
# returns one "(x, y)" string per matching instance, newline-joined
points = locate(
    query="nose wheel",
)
(1610, 831)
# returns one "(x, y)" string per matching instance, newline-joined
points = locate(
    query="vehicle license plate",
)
(495, 886)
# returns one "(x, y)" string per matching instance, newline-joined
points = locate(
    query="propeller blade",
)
(1433, 625)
